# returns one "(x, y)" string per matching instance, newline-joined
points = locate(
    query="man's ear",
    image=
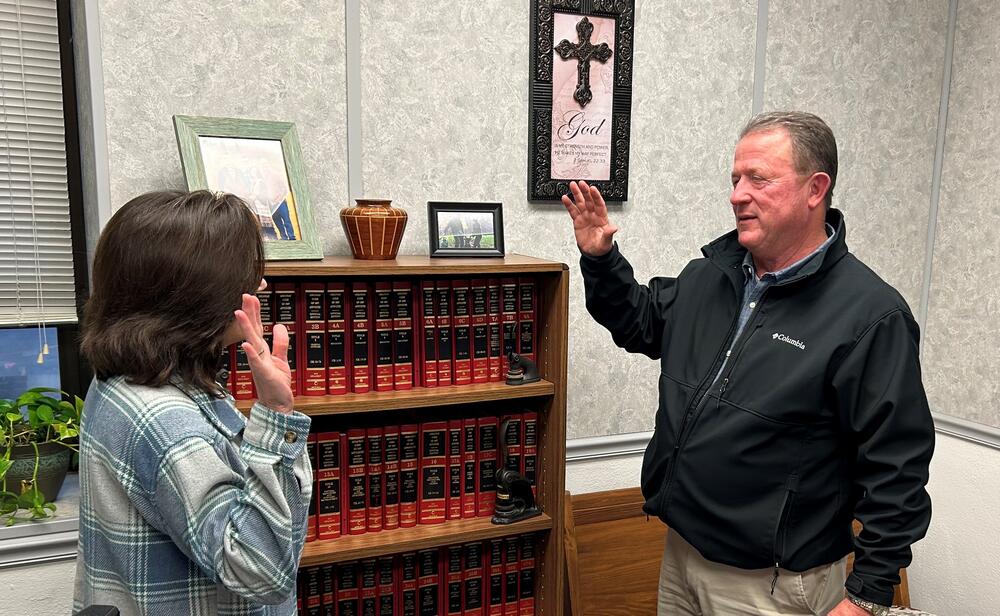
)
(819, 185)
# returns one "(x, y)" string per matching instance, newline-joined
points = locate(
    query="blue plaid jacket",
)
(186, 507)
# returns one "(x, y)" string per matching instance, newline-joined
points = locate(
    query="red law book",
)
(328, 484)
(429, 582)
(227, 369)
(369, 586)
(402, 334)
(286, 313)
(312, 528)
(348, 592)
(529, 466)
(383, 335)
(266, 298)
(428, 330)
(242, 377)
(508, 321)
(386, 587)
(431, 501)
(526, 594)
(445, 332)
(326, 586)
(374, 469)
(527, 298)
(407, 584)
(300, 591)
(409, 474)
(480, 332)
(472, 579)
(313, 348)
(452, 556)
(469, 467)
(313, 596)
(462, 317)
(512, 575)
(455, 468)
(486, 455)
(495, 370)
(337, 347)
(390, 485)
(361, 338)
(356, 478)
(495, 594)
(510, 428)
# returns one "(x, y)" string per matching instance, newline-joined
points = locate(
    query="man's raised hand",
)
(594, 232)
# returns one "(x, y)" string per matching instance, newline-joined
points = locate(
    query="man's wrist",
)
(872, 608)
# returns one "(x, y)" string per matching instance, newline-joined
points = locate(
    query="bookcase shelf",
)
(418, 397)
(547, 398)
(352, 547)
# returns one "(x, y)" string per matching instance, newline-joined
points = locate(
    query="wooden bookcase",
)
(547, 397)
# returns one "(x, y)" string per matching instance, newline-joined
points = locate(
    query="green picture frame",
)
(261, 162)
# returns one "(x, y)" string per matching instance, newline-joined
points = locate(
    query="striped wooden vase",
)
(374, 228)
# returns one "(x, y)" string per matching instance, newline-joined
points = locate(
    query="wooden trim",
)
(351, 547)
(597, 507)
(416, 265)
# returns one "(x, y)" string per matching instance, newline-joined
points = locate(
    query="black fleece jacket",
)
(820, 416)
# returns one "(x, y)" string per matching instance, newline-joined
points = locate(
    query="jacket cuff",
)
(277, 433)
(869, 590)
(601, 262)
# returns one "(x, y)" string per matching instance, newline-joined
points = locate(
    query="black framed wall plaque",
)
(580, 96)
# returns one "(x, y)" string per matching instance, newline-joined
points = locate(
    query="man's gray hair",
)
(813, 146)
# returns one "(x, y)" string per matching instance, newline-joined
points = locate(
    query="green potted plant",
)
(37, 439)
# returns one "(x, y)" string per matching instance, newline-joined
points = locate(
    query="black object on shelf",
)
(514, 501)
(522, 370)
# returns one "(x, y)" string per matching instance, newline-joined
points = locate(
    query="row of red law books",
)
(382, 478)
(495, 577)
(359, 336)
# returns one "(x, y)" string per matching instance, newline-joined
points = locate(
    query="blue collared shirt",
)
(755, 287)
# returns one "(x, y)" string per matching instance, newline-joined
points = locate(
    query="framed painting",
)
(580, 96)
(261, 162)
(465, 229)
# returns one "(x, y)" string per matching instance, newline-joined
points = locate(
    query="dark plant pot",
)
(53, 462)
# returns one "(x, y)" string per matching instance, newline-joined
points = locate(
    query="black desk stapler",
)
(515, 501)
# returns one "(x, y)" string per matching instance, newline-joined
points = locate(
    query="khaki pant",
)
(691, 585)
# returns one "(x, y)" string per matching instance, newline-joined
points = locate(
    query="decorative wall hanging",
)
(580, 96)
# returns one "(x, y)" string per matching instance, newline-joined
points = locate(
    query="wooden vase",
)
(374, 228)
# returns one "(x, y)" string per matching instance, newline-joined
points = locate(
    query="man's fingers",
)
(570, 207)
(578, 197)
(280, 347)
(598, 199)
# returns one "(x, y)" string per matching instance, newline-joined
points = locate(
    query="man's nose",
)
(739, 194)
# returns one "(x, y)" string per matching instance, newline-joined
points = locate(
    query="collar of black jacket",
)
(727, 253)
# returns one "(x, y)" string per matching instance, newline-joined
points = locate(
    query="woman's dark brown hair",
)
(169, 271)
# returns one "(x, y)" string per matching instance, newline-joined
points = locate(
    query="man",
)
(790, 400)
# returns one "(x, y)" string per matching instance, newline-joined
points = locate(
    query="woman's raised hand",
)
(269, 366)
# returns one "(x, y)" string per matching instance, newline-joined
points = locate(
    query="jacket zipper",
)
(699, 405)
(777, 554)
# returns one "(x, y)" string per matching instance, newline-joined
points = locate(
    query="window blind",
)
(36, 259)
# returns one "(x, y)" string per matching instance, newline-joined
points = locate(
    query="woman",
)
(186, 506)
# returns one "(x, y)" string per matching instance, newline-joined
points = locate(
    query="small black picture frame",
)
(458, 229)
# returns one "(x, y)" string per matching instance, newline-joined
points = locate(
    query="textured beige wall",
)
(444, 115)
(259, 60)
(873, 71)
(962, 364)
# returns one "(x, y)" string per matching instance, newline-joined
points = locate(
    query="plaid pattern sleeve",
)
(187, 508)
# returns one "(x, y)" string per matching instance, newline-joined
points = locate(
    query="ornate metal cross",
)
(584, 52)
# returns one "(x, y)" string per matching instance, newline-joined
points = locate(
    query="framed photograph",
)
(465, 229)
(260, 162)
(580, 96)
